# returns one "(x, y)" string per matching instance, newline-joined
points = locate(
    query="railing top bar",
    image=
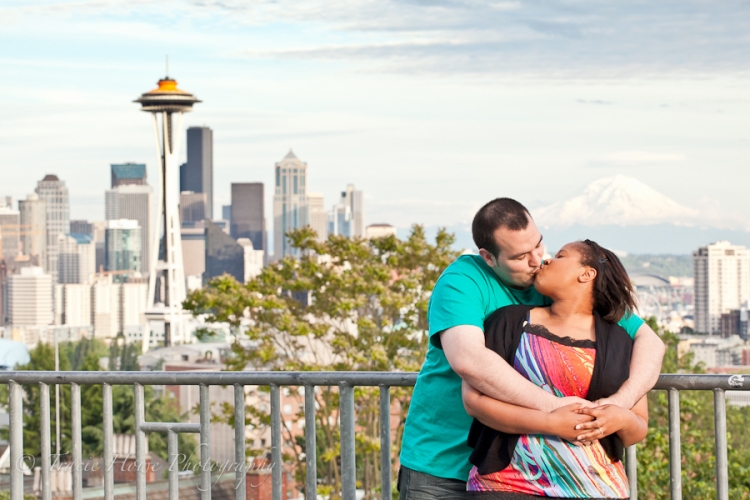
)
(671, 381)
(688, 382)
(212, 378)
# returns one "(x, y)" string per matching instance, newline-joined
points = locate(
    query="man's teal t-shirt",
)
(437, 425)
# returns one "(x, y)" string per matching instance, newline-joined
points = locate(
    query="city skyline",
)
(429, 129)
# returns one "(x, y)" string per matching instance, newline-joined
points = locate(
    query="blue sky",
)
(432, 108)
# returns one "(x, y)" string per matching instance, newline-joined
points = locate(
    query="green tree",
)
(697, 438)
(345, 304)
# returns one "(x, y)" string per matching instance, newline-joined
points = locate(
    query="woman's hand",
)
(565, 421)
(605, 420)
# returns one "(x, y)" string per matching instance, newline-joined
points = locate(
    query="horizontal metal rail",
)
(345, 381)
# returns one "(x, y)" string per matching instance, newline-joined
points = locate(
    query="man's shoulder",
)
(469, 265)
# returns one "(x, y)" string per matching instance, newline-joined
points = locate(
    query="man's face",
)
(520, 255)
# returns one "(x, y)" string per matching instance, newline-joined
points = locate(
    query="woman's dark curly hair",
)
(613, 292)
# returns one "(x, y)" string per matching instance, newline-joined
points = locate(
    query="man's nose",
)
(535, 260)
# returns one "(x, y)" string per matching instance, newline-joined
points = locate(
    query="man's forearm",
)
(517, 389)
(645, 366)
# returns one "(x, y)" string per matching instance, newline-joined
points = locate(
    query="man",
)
(434, 454)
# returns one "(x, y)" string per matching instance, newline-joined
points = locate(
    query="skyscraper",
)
(722, 283)
(347, 217)
(192, 207)
(9, 233)
(197, 174)
(76, 259)
(33, 213)
(318, 215)
(132, 202)
(30, 298)
(122, 247)
(223, 254)
(124, 174)
(54, 193)
(290, 208)
(247, 213)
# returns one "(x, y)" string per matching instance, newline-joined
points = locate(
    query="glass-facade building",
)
(122, 248)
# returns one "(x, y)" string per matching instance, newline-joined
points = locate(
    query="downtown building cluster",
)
(81, 278)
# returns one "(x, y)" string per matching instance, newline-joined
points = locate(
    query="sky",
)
(431, 108)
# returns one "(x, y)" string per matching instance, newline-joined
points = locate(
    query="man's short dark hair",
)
(500, 212)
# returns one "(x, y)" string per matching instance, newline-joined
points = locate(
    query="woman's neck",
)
(571, 308)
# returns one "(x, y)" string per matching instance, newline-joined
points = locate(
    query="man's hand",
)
(567, 401)
(565, 421)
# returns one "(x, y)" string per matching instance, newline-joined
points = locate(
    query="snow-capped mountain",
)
(616, 201)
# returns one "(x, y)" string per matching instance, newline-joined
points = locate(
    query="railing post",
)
(75, 422)
(109, 475)
(46, 441)
(675, 452)
(348, 458)
(15, 404)
(276, 465)
(240, 481)
(720, 430)
(631, 464)
(172, 450)
(140, 444)
(385, 442)
(205, 438)
(311, 465)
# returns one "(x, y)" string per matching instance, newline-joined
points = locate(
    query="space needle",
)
(166, 284)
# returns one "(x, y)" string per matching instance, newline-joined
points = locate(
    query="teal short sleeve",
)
(631, 323)
(456, 300)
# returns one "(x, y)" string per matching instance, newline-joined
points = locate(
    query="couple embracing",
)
(536, 373)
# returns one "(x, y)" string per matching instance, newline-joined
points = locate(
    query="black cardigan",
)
(493, 449)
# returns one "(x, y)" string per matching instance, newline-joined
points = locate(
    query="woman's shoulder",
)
(512, 313)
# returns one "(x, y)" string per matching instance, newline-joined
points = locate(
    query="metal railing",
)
(345, 381)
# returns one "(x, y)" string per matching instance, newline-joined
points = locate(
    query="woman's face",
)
(563, 272)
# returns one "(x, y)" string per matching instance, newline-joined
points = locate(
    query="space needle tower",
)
(166, 284)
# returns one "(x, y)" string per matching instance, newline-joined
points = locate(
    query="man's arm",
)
(512, 419)
(487, 372)
(645, 366)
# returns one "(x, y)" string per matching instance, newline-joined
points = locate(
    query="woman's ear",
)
(589, 274)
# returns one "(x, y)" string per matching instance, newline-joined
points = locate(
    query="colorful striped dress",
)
(549, 466)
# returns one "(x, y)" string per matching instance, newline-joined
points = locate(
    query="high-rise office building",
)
(223, 254)
(82, 228)
(290, 210)
(76, 259)
(122, 247)
(253, 259)
(197, 174)
(132, 202)
(379, 231)
(318, 215)
(10, 220)
(33, 212)
(192, 207)
(722, 283)
(76, 304)
(247, 213)
(30, 298)
(54, 193)
(124, 174)
(348, 215)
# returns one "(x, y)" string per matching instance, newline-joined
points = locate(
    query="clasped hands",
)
(584, 422)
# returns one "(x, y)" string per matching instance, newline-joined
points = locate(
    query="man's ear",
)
(488, 258)
(589, 274)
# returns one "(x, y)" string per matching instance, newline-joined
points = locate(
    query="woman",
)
(572, 348)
